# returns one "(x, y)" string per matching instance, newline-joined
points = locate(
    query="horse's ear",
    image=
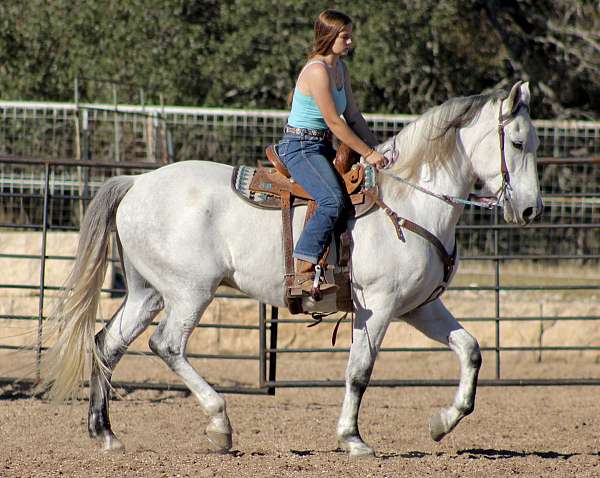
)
(519, 93)
(525, 94)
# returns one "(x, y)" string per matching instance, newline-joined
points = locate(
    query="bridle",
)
(448, 259)
(503, 191)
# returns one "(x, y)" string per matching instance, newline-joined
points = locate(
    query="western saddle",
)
(278, 190)
(273, 188)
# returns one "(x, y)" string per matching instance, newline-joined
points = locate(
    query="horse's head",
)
(505, 160)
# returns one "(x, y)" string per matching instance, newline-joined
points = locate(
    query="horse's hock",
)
(25, 302)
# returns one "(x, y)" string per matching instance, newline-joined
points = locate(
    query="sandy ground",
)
(527, 431)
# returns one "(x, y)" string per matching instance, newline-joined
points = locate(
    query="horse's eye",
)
(516, 145)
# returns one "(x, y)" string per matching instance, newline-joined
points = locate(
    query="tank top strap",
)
(341, 67)
(311, 62)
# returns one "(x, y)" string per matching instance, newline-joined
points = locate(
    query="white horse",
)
(183, 232)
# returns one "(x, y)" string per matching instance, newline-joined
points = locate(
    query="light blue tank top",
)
(305, 112)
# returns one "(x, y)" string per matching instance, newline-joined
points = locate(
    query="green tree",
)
(247, 53)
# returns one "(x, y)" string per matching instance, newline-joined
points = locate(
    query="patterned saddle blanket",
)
(262, 187)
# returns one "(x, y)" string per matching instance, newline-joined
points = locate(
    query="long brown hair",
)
(328, 26)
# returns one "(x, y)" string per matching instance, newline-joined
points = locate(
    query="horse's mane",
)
(431, 139)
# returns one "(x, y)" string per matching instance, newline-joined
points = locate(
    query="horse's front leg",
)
(435, 321)
(369, 329)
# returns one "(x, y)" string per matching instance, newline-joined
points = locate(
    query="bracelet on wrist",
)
(371, 151)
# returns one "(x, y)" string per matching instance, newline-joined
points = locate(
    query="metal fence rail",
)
(48, 194)
(44, 194)
(168, 133)
(267, 327)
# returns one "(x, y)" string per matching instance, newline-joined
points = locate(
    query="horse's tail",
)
(75, 315)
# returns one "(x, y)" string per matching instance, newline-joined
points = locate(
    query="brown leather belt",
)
(316, 133)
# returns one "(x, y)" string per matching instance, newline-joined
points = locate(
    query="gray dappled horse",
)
(183, 232)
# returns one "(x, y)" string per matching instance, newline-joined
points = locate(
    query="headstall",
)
(399, 222)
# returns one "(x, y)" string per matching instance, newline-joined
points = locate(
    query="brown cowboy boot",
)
(305, 280)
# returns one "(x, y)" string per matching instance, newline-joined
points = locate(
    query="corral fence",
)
(42, 191)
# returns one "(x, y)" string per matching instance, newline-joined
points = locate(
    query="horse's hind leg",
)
(435, 321)
(141, 306)
(169, 342)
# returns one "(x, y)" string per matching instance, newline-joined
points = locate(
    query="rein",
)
(502, 192)
(448, 260)
(452, 200)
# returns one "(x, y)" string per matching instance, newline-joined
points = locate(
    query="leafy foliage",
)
(409, 55)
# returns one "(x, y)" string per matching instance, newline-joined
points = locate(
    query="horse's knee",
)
(358, 378)
(358, 383)
(475, 356)
(467, 347)
(472, 352)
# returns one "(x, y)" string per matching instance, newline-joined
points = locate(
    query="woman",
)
(321, 95)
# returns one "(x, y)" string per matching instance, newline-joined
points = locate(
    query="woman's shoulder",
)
(315, 69)
(314, 64)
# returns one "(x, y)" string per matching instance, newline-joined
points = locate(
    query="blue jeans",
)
(309, 161)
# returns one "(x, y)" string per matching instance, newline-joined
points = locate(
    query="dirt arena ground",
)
(526, 431)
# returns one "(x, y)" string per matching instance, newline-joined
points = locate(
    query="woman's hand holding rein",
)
(375, 158)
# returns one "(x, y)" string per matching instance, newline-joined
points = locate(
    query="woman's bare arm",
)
(316, 79)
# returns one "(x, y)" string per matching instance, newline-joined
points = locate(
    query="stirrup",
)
(311, 284)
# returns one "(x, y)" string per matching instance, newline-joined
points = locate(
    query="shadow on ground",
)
(490, 454)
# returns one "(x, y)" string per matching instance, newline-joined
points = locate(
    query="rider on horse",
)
(321, 95)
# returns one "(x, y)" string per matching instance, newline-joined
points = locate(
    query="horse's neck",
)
(453, 178)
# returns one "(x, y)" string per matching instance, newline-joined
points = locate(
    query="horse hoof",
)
(219, 434)
(437, 428)
(219, 442)
(361, 452)
(356, 449)
(111, 444)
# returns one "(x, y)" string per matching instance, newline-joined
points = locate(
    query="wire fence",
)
(160, 135)
(149, 133)
(51, 194)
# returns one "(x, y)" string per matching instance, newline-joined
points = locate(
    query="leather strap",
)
(399, 222)
(294, 304)
(310, 212)
(344, 248)
(343, 279)
(288, 240)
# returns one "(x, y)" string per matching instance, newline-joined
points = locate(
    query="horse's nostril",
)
(528, 213)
